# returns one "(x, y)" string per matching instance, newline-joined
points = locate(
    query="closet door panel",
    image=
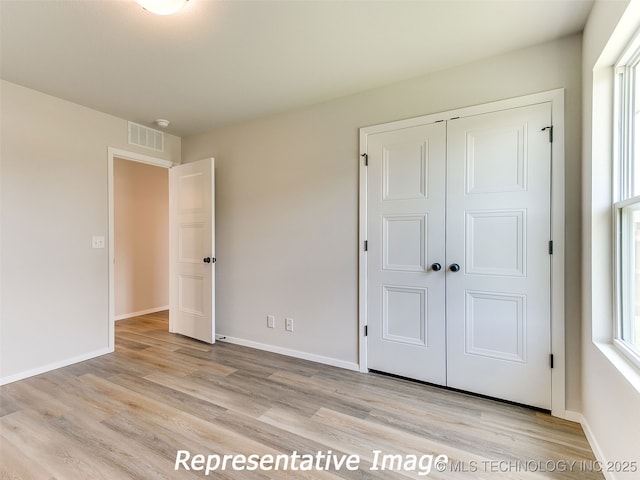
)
(406, 317)
(498, 231)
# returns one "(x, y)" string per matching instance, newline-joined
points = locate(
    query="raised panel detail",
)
(496, 160)
(191, 294)
(404, 171)
(403, 239)
(190, 243)
(191, 193)
(495, 325)
(496, 242)
(404, 315)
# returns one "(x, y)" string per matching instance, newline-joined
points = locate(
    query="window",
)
(627, 201)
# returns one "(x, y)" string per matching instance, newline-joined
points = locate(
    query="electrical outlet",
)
(271, 321)
(288, 324)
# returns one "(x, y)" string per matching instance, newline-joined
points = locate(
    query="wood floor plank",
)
(24, 393)
(105, 447)
(70, 390)
(17, 465)
(546, 428)
(178, 340)
(126, 415)
(8, 403)
(335, 438)
(158, 360)
(173, 398)
(203, 364)
(396, 440)
(282, 440)
(140, 340)
(36, 438)
(219, 396)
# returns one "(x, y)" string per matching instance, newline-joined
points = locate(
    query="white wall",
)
(53, 290)
(141, 207)
(611, 402)
(287, 201)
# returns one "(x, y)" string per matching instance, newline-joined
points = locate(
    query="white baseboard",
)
(593, 443)
(141, 312)
(334, 362)
(53, 366)
(573, 416)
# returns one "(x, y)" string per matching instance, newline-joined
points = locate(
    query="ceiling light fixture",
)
(162, 123)
(162, 7)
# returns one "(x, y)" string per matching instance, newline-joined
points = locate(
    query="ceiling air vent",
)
(146, 137)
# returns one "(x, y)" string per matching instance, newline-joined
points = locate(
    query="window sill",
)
(621, 363)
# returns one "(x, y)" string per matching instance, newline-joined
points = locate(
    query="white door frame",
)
(556, 98)
(112, 154)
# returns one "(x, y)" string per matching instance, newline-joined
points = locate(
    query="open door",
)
(192, 250)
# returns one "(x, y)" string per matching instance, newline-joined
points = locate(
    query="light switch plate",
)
(97, 241)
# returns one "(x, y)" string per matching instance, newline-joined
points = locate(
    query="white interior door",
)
(192, 250)
(406, 193)
(473, 195)
(498, 232)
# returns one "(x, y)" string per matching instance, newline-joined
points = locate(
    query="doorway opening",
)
(141, 203)
(138, 236)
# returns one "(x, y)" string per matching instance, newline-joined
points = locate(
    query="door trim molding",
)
(557, 291)
(112, 154)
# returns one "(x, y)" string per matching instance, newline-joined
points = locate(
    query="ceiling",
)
(218, 62)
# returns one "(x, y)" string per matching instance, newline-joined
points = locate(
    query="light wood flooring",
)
(127, 414)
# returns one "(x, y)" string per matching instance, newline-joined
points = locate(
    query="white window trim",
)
(622, 271)
(623, 124)
(599, 305)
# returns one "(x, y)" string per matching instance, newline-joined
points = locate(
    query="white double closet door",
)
(472, 196)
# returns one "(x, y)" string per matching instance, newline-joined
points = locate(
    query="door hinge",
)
(366, 330)
(551, 360)
(550, 247)
(366, 159)
(366, 245)
(550, 128)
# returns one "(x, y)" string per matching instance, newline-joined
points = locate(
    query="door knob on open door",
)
(207, 260)
(454, 267)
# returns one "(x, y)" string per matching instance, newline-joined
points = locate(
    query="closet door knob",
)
(436, 267)
(454, 267)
